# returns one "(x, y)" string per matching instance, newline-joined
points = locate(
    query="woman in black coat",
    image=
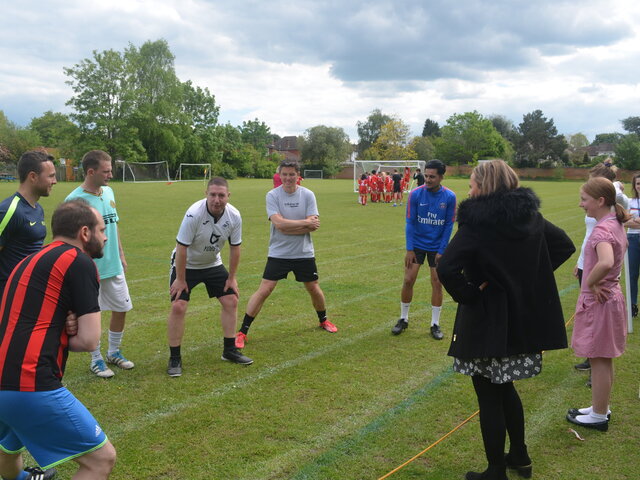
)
(499, 269)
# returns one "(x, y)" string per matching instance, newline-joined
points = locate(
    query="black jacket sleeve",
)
(559, 244)
(459, 253)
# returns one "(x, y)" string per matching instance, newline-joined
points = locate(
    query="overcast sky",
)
(295, 64)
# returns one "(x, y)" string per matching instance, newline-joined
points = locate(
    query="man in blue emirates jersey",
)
(431, 211)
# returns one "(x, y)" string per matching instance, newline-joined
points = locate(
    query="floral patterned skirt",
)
(503, 369)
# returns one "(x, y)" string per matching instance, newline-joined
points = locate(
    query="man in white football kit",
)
(293, 213)
(206, 226)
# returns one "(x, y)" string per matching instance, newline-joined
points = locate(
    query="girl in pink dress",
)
(600, 329)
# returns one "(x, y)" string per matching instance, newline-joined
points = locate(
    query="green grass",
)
(353, 405)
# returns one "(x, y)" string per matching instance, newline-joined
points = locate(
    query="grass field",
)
(353, 405)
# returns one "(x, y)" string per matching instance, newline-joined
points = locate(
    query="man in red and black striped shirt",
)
(36, 411)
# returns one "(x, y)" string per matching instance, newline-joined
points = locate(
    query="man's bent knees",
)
(98, 463)
(229, 302)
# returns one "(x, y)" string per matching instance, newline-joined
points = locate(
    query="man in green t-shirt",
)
(114, 292)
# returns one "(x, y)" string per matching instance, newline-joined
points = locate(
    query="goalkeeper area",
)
(367, 166)
(139, 172)
(192, 172)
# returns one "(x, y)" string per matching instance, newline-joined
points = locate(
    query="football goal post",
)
(313, 174)
(366, 166)
(145, 172)
(194, 172)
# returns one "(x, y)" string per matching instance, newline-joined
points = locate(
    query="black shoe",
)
(36, 473)
(523, 468)
(583, 366)
(400, 327)
(174, 369)
(233, 355)
(574, 412)
(437, 334)
(491, 473)
(601, 426)
(634, 310)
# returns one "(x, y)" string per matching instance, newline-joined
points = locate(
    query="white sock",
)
(591, 418)
(96, 355)
(435, 315)
(115, 338)
(589, 410)
(404, 310)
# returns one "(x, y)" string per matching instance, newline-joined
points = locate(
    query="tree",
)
(431, 128)
(423, 147)
(325, 148)
(628, 152)
(104, 100)
(199, 107)
(256, 133)
(577, 141)
(538, 140)
(56, 130)
(393, 142)
(468, 137)
(14, 141)
(631, 125)
(607, 138)
(368, 131)
(504, 126)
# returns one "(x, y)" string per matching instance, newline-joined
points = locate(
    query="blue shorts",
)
(53, 426)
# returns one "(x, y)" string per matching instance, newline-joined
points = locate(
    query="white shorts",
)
(114, 294)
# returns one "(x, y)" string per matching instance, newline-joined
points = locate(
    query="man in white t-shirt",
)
(205, 228)
(293, 213)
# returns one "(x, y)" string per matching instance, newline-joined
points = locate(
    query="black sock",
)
(175, 351)
(229, 343)
(322, 315)
(246, 323)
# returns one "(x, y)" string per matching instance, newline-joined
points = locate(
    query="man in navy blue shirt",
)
(22, 227)
(431, 211)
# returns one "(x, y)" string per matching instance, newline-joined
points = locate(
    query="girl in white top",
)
(633, 236)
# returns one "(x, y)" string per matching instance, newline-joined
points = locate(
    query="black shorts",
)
(397, 189)
(304, 269)
(430, 256)
(213, 278)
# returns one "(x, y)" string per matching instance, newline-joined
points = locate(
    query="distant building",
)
(607, 149)
(286, 146)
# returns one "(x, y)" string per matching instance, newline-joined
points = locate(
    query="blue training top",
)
(22, 232)
(430, 217)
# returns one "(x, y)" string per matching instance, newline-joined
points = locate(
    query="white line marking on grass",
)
(265, 372)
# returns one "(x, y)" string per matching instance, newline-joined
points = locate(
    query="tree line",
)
(132, 105)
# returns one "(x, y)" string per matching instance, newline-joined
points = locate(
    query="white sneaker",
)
(101, 370)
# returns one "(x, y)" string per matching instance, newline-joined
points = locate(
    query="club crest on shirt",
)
(443, 206)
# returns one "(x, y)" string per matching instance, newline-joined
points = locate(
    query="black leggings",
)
(500, 413)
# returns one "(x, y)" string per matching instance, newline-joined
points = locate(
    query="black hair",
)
(436, 165)
(32, 161)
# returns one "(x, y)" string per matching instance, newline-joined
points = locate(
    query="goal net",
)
(145, 172)
(193, 172)
(313, 174)
(366, 166)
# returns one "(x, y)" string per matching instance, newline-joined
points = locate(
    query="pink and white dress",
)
(600, 329)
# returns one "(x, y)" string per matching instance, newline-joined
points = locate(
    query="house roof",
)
(285, 144)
